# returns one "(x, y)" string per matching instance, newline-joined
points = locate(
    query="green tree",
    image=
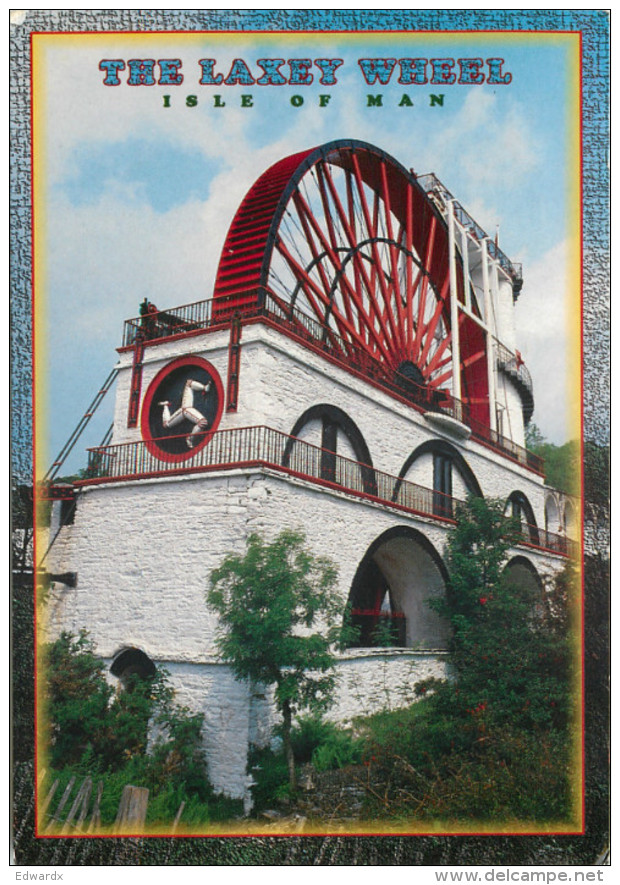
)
(493, 740)
(77, 697)
(510, 661)
(533, 437)
(562, 463)
(278, 610)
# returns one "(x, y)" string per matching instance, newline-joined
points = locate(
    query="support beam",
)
(136, 383)
(490, 339)
(465, 254)
(454, 306)
(234, 362)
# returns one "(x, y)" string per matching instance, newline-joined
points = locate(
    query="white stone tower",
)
(354, 374)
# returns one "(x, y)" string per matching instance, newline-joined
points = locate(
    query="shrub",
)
(507, 660)
(494, 741)
(77, 699)
(269, 770)
(338, 750)
(95, 731)
(309, 733)
(314, 740)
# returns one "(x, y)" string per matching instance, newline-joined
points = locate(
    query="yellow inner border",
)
(42, 41)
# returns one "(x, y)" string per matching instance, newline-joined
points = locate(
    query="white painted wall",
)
(143, 550)
(280, 379)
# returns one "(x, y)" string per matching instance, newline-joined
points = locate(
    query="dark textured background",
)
(594, 27)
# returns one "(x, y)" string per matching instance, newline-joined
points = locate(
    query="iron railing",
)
(164, 323)
(266, 447)
(262, 446)
(209, 314)
(513, 366)
(558, 543)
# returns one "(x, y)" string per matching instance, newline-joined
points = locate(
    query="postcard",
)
(310, 435)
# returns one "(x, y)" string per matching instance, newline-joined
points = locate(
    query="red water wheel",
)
(345, 235)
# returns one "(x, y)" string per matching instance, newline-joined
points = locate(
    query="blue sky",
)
(138, 197)
(152, 172)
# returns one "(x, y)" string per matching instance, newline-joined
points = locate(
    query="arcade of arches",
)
(401, 571)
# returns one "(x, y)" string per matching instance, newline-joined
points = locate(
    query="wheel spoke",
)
(357, 281)
(372, 232)
(393, 258)
(410, 286)
(356, 255)
(316, 255)
(322, 175)
(344, 234)
(346, 287)
(346, 333)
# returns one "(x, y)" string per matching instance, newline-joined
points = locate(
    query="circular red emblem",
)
(182, 408)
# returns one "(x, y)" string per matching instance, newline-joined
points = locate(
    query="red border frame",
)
(147, 402)
(346, 32)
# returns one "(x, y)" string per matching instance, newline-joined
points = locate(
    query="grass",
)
(164, 799)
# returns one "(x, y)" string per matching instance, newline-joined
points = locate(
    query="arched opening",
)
(522, 575)
(552, 515)
(132, 662)
(518, 506)
(136, 673)
(439, 463)
(570, 520)
(338, 437)
(390, 593)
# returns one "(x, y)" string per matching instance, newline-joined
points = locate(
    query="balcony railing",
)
(535, 537)
(262, 446)
(512, 365)
(203, 315)
(266, 447)
(165, 323)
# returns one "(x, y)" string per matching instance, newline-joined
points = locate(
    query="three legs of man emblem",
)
(187, 411)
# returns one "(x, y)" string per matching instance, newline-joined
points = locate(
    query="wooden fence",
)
(78, 810)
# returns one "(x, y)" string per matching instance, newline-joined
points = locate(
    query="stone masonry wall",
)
(143, 552)
(143, 549)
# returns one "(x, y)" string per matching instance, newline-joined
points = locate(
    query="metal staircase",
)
(82, 424)
(66, 492)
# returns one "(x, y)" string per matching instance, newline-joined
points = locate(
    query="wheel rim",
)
(344, 233)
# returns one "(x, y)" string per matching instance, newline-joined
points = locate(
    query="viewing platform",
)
(264, 447)
(262, 306)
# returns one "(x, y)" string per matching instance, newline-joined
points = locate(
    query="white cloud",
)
(109, 255)
(541, 317)
(492, 140)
